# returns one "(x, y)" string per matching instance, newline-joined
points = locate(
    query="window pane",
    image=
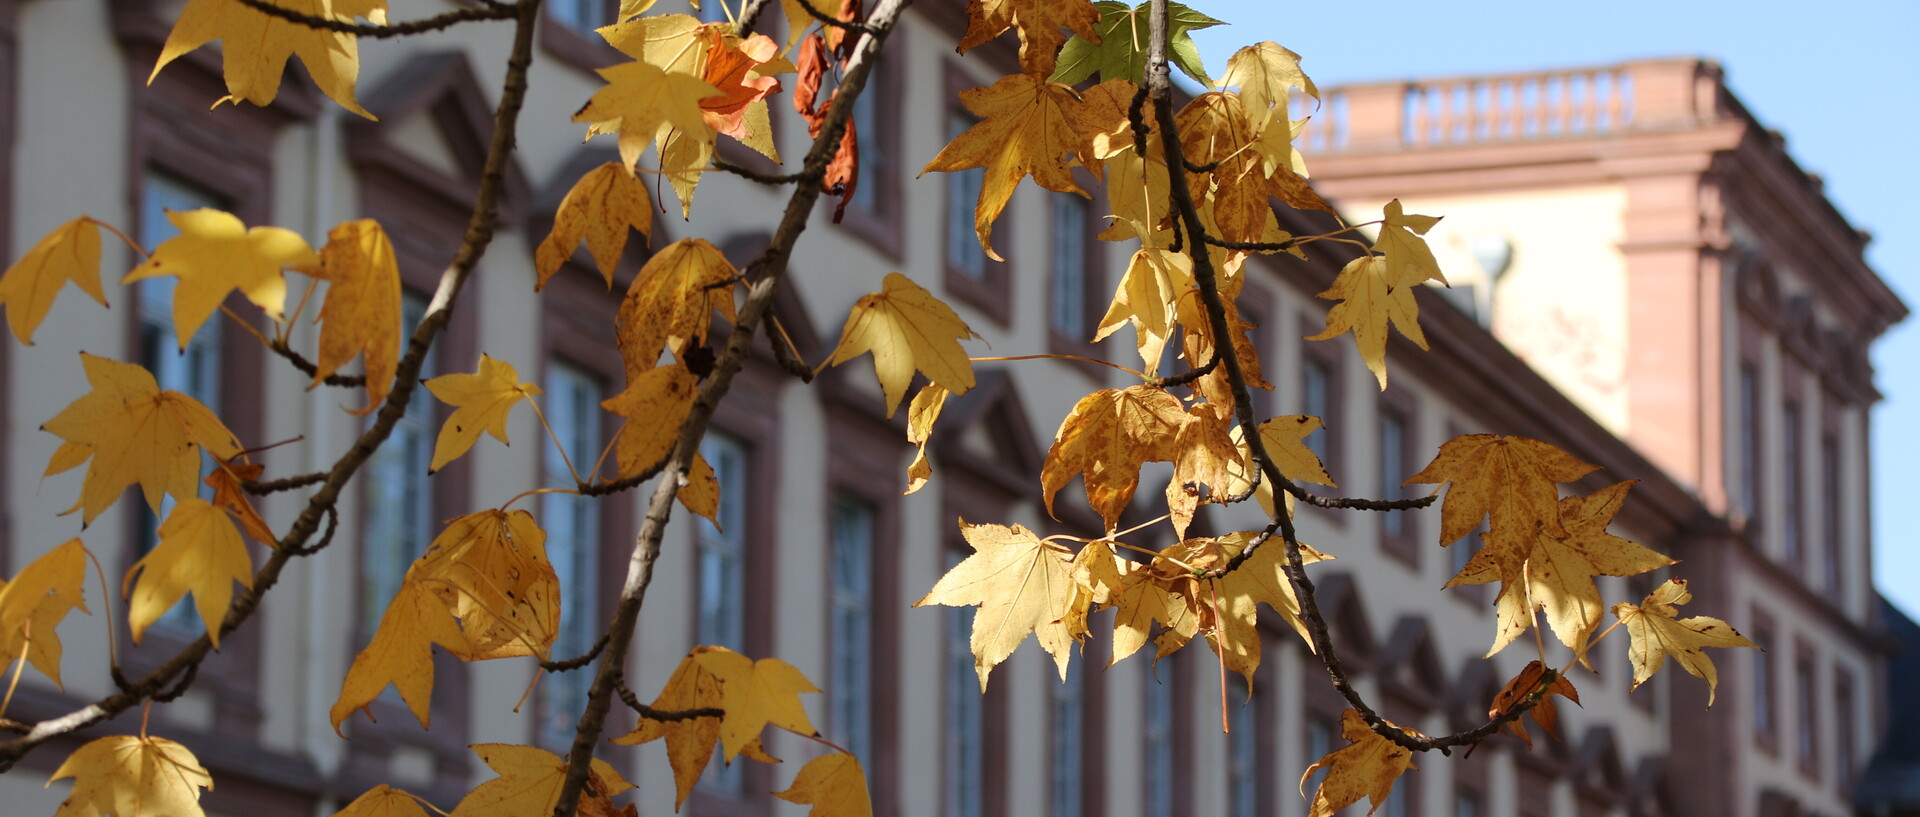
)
(963, 193)
(583, 16)
(1762, 683)
(1750, 439)
(1158, 753)
(1790, 531)
(1064, 753)
(851, 681)
(400, 519)
(721, 586)
(1833, 550)
(572, 524)
(1243, 755)
(1067, 298)
(1316, 385)
(873, 157)
(962, 782)
(1393, 445)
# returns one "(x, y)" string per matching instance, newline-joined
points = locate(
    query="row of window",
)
(1818, 552)
(1807, 708)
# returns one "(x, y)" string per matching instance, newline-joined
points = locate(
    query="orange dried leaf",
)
(1543, 713)
(1657, 632)
(907, 329)
(481, 402)
(671, 302)
(1021, 585)
(255, 46)
(127, 775)
(229, 494)
(600, 209)
(361, 314)
(70, 253)
(1039, 23)
(215, 254)
(834, 785)
(1107, 437)
(200, 551)
(134, 433)
(33, 604)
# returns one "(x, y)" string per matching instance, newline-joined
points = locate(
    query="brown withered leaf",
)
(1021, 584)
(361, 313)
(671, 302)
(1039, 23)
(655, 403)
(1106, 438)
(229, 494)
(1542, 713)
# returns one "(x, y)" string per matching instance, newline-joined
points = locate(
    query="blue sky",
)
(1828, 76)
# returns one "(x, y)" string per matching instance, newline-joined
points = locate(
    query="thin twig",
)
(310, 368)
(576, 662)
(274, 486)
(437, 22)
(1191, 375)
(1254, 246)
(830, 20)
(755, 175)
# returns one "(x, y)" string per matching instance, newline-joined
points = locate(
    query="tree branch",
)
(438, 22)
(310, 368)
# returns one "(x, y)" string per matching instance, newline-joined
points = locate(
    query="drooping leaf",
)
(1039, 23)
(921, 415)
(215, 254)
(701, 494)
(1154, 281)
(1370, 299)
(745, 70)
(1367, 767)
(124, 776)
(834, 785)
(755, 695)
(1510, 479)
(1543, 713)
(255, 46)
(1409, 260)
(70, 253)
(201, 551)
(599, 209)
(1285, 441)
(671, 302)
(401, 654)
(1228, 607)
(490, 569)
(1026, 130)
(230, 495)
(530, 781)
(1120, 47)
(1657, 632)
(907, 329)
(134, 433)
(361, 314)
(1106, 438)
(690, 741)
(481, 402)
(383, 801)
(641, 102)
(1265, 73)
(34, 603)
(655, 404)
(1021, 584)
(1150, 595)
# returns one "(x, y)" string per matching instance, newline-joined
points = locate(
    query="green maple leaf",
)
(1122, 51)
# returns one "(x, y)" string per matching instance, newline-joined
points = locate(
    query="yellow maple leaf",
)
(1266, 73)
(599, 209)
(1370, 299)
(201, 551)
(33, 604)
(530, 781)
(1555, 573)
(1154, 281)
(1228, 607)
(383, 801)
(123, 775)
(1208, 464)
(1366, 768)
(70, 253)
(1026, 130)
(1409, 260)
(689, 741)
(669, 42)
(642, 102)
(1039, 23)
(671, 302)
(361, 314)
(401, 654)
(655, 404)
(1510, 479)
(490, 568)
(921, 415)
(215, 254)
(755, 695)
(701, 494)
(1107, 437)
(134, 433)
(1285, 440)
(834, 785)
(907, 329)
(1148, 595)
(255, 46)
(1656, 632)
(1021, 584)
(481, 402)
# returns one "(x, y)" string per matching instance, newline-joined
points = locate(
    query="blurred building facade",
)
(1642, 277)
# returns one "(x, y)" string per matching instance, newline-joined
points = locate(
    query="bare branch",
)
(300, 362)
(438, 22)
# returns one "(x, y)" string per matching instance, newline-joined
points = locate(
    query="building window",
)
(572, 523)
(1243, 752)
(1320, 397)
(1157, 752)
(1068, 280)
(194, 371)
(873, 152)
(1763, 684)
(581, 16)
(1320, 732)
(400, 514)
(1833, 550)
(1466, 804)
(964, 253)
(1790, 485)
(965, 736)
(1064, 754)
(1843, 730)
(851, 536)
(1751, 466)
(721, 586)
(1806, 739)
(1394, 433)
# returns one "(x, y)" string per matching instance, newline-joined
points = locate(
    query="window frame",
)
(883, 227)
(1332, 359)
(1095, 289)
(1764, 686)
(992, 291)
(1403, 544)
